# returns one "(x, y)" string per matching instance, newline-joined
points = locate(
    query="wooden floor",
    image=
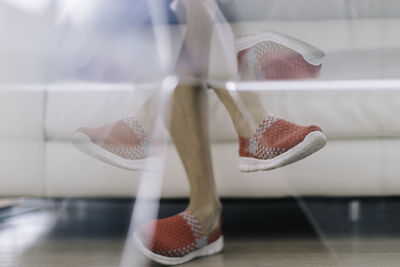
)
(243, 252)
(61, 235)
(6, 202)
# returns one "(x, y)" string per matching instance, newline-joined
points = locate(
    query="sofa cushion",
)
(21, 112)
(73, 105)
(22, 141)
(342, 168)
(350, 113)
(331, 35)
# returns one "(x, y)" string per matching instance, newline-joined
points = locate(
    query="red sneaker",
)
(277, 143)
(177, 239)
(275, 56)
(122, 143)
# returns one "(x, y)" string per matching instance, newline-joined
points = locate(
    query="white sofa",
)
(360, 158)
(360, 119)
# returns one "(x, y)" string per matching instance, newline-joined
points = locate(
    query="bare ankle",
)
(208, 215)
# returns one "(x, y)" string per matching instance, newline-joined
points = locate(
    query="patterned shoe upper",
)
(273, 137)
(269, 60)
(124, 138)
(175, 236)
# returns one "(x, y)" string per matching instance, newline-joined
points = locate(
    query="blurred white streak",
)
(231, 86)
(221, 60)
(149, 191)
(328, 85)
(31, 6)
(19, 233)
(162, 33)
(77, 12)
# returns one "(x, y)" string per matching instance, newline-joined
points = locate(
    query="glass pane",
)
(126, 124)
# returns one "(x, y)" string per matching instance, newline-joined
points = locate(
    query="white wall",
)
(22, 43)
(238, 10)
(35, 49)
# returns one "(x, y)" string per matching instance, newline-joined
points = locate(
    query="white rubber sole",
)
(84, 144)
(313, 142)
(310, 53)
(211, 249)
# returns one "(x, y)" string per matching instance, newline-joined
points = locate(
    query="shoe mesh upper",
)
(273, 137)
(268, 60)
(175, 236)
(124, 138)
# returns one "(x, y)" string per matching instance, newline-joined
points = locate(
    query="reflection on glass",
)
(89, 90)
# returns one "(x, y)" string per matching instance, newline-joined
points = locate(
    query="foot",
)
(277, 143)
(274, 56)
(122, 143)
(177, 239)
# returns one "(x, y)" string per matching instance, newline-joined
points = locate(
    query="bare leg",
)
(190, 134)
(147, 112)
(246, 110)
(189, 122)
(246, 117)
